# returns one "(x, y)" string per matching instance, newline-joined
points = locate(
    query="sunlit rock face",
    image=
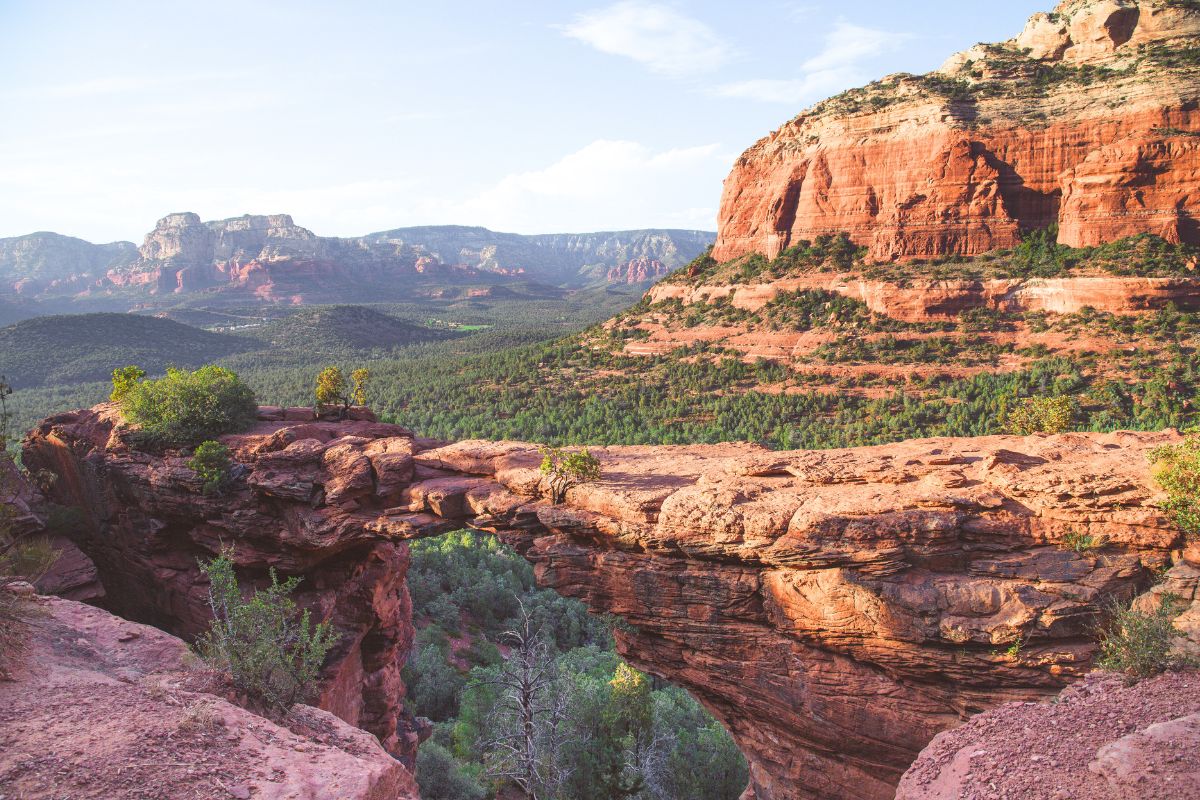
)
(1087, 119)
(835, 609)
(146, 722)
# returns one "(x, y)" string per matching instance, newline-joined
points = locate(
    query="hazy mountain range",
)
(270, 258)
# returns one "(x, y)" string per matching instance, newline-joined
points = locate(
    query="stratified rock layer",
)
(941, 300)
(1003, 139)
(149, 527)
(100, 708)
(835, 609)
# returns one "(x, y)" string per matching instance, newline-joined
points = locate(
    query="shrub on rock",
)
(210, 461)
(566, 469)
(271, 649)
(1138, 643)
(183, 408)
(1177, 470)
(1041, 415)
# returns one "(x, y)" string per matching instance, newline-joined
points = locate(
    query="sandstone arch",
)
(835, 609)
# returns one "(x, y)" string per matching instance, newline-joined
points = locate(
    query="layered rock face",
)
(569, 259)
(638, 270)
(294, 510)
(1088, 119)
(269, 256)
(934, 300)
(43, 263)
(105, 709)
(835, 609)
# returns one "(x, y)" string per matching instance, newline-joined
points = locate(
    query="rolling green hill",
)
(74, 348)
(338, 329)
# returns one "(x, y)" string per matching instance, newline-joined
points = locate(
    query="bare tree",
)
(527, 726)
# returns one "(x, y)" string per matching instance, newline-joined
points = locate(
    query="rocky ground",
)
(1099, 740)
(835, 609)
(105, 709)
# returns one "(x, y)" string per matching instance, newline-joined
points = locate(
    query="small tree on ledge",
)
(270, 647)
(123, 380)
(567, 469)
(333, 390)
(1040, 415)
(211, 463)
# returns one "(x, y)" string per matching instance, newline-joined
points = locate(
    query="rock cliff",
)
(638, 270)
(567, 259)
(148, 526)
(48, 263)
(1087, 119)
(100, 708)
(835, 609)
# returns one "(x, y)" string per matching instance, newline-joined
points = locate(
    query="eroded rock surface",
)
(294, 507)
(1087, 119)
(835, 609)
(105, 709)
(1100, 740)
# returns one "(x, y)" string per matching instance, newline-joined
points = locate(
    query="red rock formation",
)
(638, 270)
(294, 511)
(72, 575)
(100, 708)
(1100, 740)
(932, 300)
(963, 160)
(835, 609)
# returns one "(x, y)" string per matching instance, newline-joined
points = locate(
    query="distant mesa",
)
(1087, 119)
(269, 258)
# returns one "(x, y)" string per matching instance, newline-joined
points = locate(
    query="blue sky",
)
(361, 116)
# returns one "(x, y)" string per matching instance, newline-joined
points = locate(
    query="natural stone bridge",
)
(834, 609)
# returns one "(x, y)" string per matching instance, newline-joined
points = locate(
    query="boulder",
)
(105, 709)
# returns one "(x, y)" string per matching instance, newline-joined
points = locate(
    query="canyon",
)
(834, 609)
(867, 623)
(1086, 120)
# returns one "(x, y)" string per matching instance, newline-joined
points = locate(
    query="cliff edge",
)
(1087, 119)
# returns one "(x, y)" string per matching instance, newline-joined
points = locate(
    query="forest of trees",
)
(566, 392)
(493, 652)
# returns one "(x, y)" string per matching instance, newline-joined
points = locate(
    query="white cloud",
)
(837, 66)
(657, 36)
(848, 44)
(772, 90)
(606, 185)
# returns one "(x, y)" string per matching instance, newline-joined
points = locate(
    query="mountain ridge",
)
(269, 258)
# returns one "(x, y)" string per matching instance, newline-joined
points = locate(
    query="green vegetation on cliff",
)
(185, 408)
(1039, 255)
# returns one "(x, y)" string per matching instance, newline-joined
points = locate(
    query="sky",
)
(358, 116)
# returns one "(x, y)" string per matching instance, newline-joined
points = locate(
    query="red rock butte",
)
(834, 609)
(1087, 119)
